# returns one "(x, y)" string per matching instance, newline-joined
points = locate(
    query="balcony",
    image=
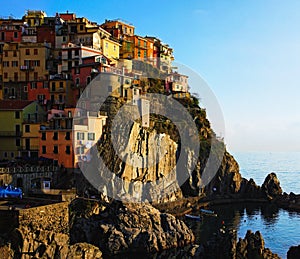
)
(26, 68)
(10, 133)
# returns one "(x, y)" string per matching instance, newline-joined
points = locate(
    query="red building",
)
(38, 91)
(84, 73)
(46, 33)
(11, 30)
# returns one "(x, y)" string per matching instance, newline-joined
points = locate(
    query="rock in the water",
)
(294, 252)
(253, 246)
(224, 245)
(271, 186)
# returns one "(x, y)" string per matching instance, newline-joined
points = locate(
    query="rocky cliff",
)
(145, 160)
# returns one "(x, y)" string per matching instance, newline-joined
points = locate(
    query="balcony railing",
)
(10, 133)
(26, 68)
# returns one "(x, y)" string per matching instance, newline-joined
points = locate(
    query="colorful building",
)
(88, 128)
(12, 116)
(56, 138)
(11, 30)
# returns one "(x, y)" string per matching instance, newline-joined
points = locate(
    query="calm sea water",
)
(280, 228)
(257, 165)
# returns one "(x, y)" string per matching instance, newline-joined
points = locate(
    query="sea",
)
(280, 228)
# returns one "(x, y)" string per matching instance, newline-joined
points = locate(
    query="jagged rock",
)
(227, 179)
(253, 246)
(83, 251)
(224, 245)
(249, 189)
(294, 252)
(130, 227)
(271, 186)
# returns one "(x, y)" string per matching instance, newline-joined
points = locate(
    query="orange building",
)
(56, 138)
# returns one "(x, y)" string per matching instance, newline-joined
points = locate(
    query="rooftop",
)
(14, 104)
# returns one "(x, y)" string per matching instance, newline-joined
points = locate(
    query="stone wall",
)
(53, 217)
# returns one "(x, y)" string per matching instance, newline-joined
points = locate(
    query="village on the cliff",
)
(46, 65)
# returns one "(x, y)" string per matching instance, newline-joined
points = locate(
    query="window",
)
(35, 75)
(27, 128)
(77, 81)
(14, 63)
(27, 63)
(145, 54)
(68, 136)
(6, 53)
(12, 154)
(18, 142)
(27, 52)
(25, 88)
(55, 136)
(44, 149)
(139, 53)
(68, 150)
(139, 42)
(91, 136)
(16, 76)
(41, 97)
(61, 85)
(88, 80)
(15, 53)
(35, 52)
(5, 75)
(33, 85)
(36, 63)
(81, 27)
(53, 86)
(43, 135)
(5, 63)
(55, 149)
(76, 52)
(15, 34)
(80, 136)
(17, 115)
(5, 154)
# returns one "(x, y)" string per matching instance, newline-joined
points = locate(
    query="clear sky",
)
(248, 51)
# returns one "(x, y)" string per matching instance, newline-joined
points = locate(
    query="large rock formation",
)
(127, 227)
(271, 186)
(225, 245)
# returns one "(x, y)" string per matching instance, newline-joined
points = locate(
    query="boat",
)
(208, 212)
(194, 217)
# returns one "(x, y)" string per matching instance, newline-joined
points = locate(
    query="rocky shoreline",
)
(99, 229)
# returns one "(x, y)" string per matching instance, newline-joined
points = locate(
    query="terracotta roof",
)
(13, 104)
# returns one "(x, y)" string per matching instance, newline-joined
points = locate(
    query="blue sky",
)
(247, 51)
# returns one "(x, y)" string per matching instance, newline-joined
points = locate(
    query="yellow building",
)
(24, 62)
(34, 17)
(109, 47)
(33, 61)
(13, 113)
(30, 139)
